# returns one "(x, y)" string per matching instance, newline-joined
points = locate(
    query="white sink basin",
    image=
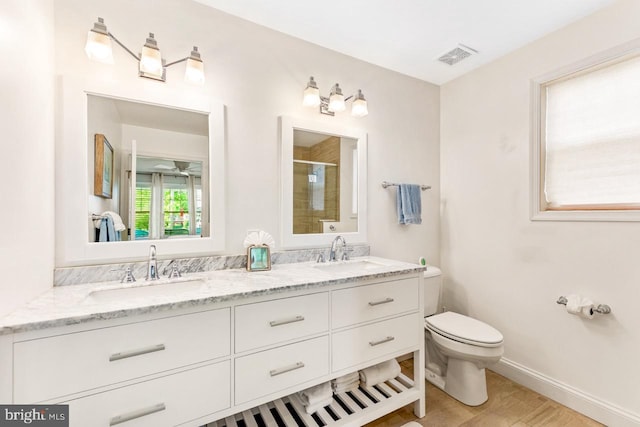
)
(145, 290)
(349, 266)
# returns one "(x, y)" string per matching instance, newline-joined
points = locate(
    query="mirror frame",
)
(72, 212)
(287, 127)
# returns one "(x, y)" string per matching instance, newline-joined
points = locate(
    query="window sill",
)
(594, 216)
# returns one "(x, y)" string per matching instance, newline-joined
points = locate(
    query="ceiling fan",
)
(184, 168)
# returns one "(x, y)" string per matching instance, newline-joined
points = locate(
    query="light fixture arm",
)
(324, 105)
(124, 47)
(175, 62)
(138, 58)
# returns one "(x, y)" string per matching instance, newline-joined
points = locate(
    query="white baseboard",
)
(599, 410)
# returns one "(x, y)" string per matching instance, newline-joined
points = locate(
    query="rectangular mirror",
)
(167, 178)
(323, 169)
(166, 196)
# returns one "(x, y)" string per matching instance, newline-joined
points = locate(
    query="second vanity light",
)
(335, 102)
(151, 64)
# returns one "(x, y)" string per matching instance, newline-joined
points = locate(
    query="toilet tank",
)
(432, 290)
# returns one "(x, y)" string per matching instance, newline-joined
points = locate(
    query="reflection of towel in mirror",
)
(409, 204)
(379, 373)
(118, 225)
(107, 232)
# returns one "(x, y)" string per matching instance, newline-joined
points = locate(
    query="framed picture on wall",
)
(258, 258)
(103, 167)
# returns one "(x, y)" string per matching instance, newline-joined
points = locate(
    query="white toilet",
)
(458, 348)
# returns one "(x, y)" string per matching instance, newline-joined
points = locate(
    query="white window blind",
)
(592, 138)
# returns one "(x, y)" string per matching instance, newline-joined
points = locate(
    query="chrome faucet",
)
(152, 266)
(334, 245)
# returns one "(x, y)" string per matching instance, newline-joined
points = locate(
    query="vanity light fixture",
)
(336, 101)
(151, 64)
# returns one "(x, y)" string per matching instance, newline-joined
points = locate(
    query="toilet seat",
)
(464, 329)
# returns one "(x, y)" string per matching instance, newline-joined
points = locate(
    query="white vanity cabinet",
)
(139, 370)
(55, 366)
(207, 362)
(280, 320)
(166, 401)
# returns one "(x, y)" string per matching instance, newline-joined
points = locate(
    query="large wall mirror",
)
(160, 162)
(137, 167)
(324, 188)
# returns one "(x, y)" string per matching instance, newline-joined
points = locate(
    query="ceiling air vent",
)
(457, 54)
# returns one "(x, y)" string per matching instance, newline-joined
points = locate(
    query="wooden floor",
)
(509, 404)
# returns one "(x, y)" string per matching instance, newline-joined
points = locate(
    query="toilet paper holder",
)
(600, 309)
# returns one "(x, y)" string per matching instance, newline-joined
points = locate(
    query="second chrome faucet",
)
(152, 265)
(334, 247)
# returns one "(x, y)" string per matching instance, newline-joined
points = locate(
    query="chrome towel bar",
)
(600, 309)
(386, 184)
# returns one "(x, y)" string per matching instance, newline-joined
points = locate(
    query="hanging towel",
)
(118, 225)
(107, 231)
(409, 204)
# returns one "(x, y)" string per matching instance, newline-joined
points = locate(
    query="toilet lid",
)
(464, 329)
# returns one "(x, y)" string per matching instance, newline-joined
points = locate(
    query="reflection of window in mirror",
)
(168, 199)
(324, 183)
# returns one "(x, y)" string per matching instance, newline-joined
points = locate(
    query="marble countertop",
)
(70, 305)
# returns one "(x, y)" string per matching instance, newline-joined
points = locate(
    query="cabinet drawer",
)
(358, 345)
(165, 401)
(271, 322)
(272, 370)
(364, 303)
(57, 366)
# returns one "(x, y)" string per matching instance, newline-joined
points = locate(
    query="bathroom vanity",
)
(216, 346)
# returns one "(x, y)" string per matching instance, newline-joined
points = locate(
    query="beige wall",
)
(26, 118)
(507, 270)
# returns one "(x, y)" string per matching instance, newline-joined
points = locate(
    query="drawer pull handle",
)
(286, 369)
(138, 352)
(286, 321)
(382, 341)
(137, 414)
(384, 301)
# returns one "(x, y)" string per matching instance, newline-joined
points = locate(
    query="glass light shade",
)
(98, 47)
(311, 97)
(151, 61)
(194, 72)
(359, 106)
(336, 102)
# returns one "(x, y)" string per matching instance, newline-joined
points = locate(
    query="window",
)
(586, 163)
(167, 206)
